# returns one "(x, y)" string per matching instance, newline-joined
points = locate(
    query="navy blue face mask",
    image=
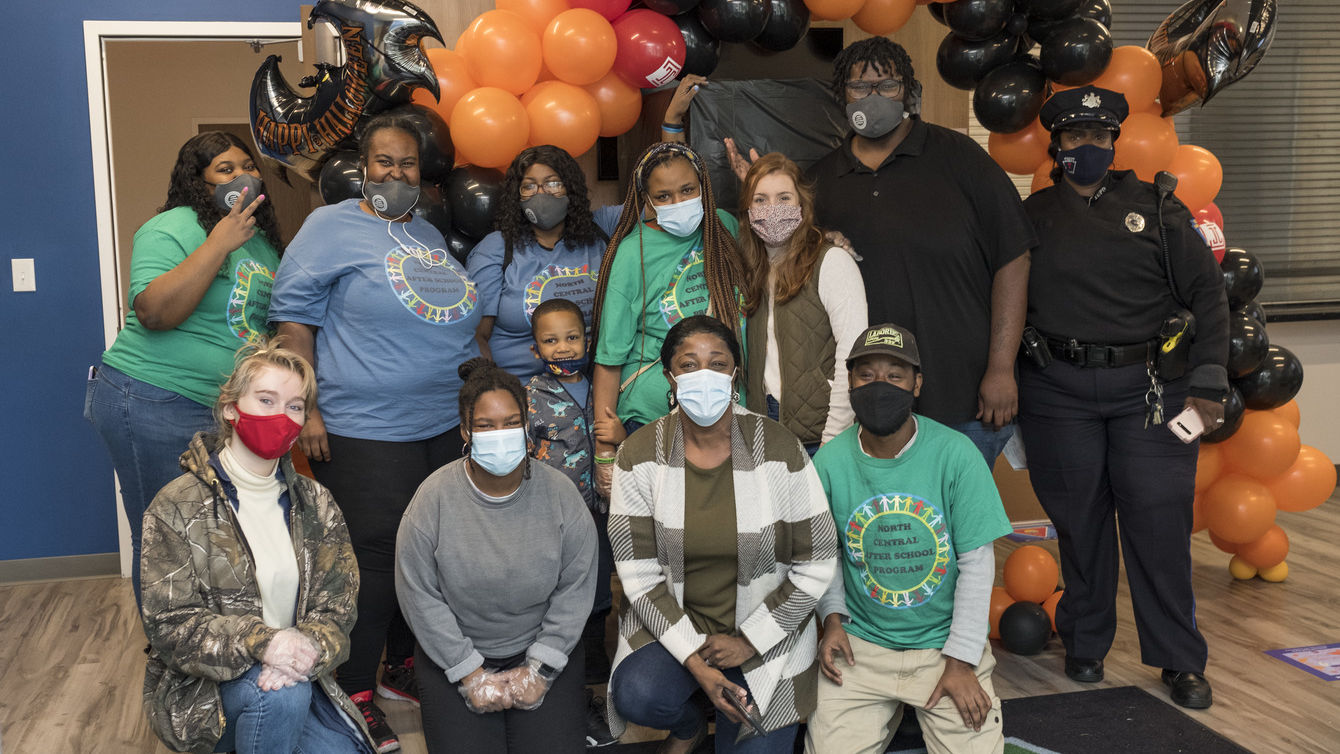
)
(566, 367)
(1086, 164)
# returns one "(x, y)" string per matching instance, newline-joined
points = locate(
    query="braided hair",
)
(880, 53)
(723, 270)
(187, 186)
(481, 375)
(579, 228)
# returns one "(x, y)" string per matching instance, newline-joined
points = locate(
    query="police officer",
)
(1116, 260)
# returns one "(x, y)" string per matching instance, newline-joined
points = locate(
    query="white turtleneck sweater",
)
(263, 526)
(843, 295)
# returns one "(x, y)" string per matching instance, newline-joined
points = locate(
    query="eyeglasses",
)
(553, 188)
(886, 88)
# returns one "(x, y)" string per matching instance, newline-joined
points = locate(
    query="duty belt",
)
(1095, 355)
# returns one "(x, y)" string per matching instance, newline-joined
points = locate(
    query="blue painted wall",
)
(56, 490)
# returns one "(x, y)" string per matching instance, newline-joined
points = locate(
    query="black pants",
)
(557, 726)
(372, 482)
(1093, 463)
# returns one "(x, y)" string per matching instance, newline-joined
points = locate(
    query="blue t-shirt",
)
(536, 274)
(390, 330)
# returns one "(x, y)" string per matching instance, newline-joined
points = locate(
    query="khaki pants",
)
(861, 715)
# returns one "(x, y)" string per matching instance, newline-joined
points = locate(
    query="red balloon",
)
(1210, 224)
(650, 49)
(620, 104)
(610, 9)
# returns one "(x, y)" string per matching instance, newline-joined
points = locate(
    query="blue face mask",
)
(681, 219)
(566, 367)
(704, 395)
(498, 451)
(1087, 164)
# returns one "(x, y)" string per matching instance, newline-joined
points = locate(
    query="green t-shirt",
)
(195, 357)
(711, 549)
(902, 523)
(631, 334)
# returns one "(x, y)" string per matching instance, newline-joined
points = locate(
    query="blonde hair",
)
(247, 364)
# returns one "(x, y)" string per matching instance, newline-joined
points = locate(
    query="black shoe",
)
(382, 735)
(597, 728)
(1188, 689)
(399, 682)
(1084, 671)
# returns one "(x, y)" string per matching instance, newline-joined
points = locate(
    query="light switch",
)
(24, 279)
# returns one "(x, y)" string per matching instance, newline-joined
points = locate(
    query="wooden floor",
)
(71, 659)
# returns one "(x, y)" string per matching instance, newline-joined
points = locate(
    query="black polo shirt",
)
(933, 223)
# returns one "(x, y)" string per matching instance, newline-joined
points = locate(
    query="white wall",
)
(1317, 345)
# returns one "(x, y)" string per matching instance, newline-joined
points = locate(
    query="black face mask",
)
(880, 407)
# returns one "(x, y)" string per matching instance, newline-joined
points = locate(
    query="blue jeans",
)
(651, 688)
(775, 413)
(989, 441)
(299, 719)
(145, 429)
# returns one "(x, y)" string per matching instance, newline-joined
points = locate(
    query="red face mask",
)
(266, 436)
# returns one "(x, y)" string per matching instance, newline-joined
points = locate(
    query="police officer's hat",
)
(1088, 105)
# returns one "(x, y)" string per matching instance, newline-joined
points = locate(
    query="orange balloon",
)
(1021, 151)
(1136, 73)
(453, 81)
(503, 51)
(1198, 514)
(1209, 465)
(579, 46)
(1042, 176)
(1264, 446)
(1155, 108)
(489, 127)
(1050, 607)
(1147, 145)
(1031, 574)
(563, 115)
(1229, 547)
(1000, 599)
(462, 41)
(1270, 549)
(537, 13)
(1199, 175)
(620, 104)
(880, 17)
(833, 10)
(1290, 412)
(1238, 509)
(1307, 483)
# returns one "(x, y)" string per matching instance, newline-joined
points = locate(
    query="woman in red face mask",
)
(249, 581)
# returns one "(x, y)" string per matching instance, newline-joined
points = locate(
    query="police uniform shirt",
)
(1097, 272)
(933, 224)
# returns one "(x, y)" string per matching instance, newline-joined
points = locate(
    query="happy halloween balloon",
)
(382, 64)
(1205, 45)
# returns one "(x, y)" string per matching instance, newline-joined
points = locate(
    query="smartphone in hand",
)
(747, 711)
(1187, 425)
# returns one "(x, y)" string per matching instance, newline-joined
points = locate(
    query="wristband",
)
(605, 459)
(547, 672)
(672, 128)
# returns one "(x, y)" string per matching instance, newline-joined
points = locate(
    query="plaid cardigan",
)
(787, 555)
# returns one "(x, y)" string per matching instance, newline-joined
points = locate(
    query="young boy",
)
(561, 428)
(917, 512)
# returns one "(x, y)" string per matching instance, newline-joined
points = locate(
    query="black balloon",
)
(1076, 51)
(702, 51)
(1017, 25)
(1243, 277)
(1274, 383)
(1009, 97)
(1257, 313)
(1233, 410)
(1205, 45)
(734, 20)
(938, 12)
(1025, 628)
(786, 26)
(433, 208)
(670, 7)
(1247, 344)
(1048, 8)
(1098, 10)
(459, 244)
(977, 19)
(341, 178)
(473, 192)
(437, 155)
(963, 63)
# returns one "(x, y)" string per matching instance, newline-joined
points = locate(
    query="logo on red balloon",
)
(665, 74)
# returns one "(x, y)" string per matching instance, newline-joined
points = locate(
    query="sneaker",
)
(597, 728)
(398, 682)
(382, 735)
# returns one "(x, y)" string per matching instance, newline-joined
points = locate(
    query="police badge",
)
(1135, 222)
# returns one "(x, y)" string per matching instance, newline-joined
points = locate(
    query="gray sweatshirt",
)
(478, 578)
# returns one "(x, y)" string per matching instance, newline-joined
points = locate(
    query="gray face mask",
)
(544, 210)
(875, 115)
(393, 198)
(227, 194)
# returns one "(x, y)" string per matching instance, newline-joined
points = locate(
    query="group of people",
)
(719, 410)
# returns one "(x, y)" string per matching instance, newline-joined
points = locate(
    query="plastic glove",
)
(527, 687)
(604, 477)
(292, 651)
(273, 678)
(486, 691)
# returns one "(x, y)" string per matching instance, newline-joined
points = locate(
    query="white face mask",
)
(682, 218)
(704, 395)
(498, 451)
